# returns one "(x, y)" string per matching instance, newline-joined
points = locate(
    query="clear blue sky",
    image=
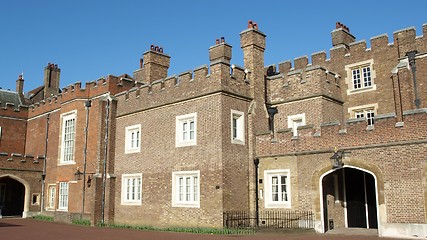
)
(92, 38)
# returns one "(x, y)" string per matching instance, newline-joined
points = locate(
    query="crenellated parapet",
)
(110, 84)
(21, 162)
(347, 135)
(11, 110)
(187, 85)
(309, 81)
(302, 78)
(219, 76)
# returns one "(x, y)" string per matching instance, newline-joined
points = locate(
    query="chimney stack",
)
(20, 87)
(155, 64)
(51, 80)
(341, 35)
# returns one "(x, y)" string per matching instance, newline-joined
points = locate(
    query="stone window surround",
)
(124, 200)
(240, 127)
(268, 174)
(175, 189)
(292, 119)
(180, 120)
(128, 135)
(64, 117)
(349, 77)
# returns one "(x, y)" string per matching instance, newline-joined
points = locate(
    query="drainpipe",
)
(44, 162)
(104, 174)
(88, 104)
(256, 163)
(411, 58)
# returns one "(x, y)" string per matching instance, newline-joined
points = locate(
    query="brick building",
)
(343, 137)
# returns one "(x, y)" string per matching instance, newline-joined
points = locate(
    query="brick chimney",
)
(219, 57)
(20, 87)
(253, 43)
(155, 65)
(341, 35)
(51, 80)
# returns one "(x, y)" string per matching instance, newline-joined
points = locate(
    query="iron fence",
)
(269, 219)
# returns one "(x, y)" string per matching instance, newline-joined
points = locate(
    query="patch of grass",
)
(223, 231)
(83, 222)
(43, 218)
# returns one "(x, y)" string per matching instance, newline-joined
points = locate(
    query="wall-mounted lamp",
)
(336, 159)
(78, 175)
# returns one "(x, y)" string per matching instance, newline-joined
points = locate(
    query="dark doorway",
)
(12, 196)
(351, 191)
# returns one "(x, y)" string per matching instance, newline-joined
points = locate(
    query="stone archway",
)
(349, 199)
(14, 196)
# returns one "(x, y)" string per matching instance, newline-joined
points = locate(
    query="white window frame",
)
(71, 142)
(237, 127)
(130, 145)
(366, 112)
(51, 197)
(131, 193)
(185, 136)
(268, 185)
(292, 122)
(364, 87)
(64, 189)
(186, 189)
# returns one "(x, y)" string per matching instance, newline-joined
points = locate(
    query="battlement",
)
(301, 83)
(187, 85)
(19, 161)
(404, 40)
(11, 110)
(348, 135)
(111, 84)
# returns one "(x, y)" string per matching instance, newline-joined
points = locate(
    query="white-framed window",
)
(51, 196)
(186, 130)
(295, 121)
(366, 111)
(237, 127)
(63, 196)
(186, 189)
(68, 136)
(360, 77)
(133, 139)
(132, 189)
(277, 188)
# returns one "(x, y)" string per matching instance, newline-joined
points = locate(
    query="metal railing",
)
(269, 219)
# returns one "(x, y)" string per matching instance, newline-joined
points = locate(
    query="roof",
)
(7, 96)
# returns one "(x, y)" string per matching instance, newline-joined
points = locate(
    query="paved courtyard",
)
(24, 229)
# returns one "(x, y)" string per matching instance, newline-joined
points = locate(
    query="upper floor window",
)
(237, 127)
(131, 189)
(295, 121)
(366, 111)
(277, 189)
(186, 189)
(68, 137)
(186, 130)
(133, 139)
(360, 77)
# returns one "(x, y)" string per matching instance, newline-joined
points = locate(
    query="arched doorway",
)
(349, 199)
(12, 197)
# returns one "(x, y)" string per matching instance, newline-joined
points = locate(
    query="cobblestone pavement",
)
(25, 229)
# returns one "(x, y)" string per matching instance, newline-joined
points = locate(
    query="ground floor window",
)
(63, 196)
(51, 197)
(186, 189)
(277, 189)
(131, 189)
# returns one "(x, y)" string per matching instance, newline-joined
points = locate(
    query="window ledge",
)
(373, 87)
(66, 163)
(186, 205)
